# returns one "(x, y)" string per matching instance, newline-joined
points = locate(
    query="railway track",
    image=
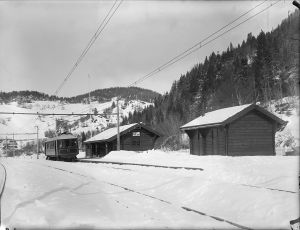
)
(176, 167)
(233, 224)
(139, 164)
(126, 169)
(2, 185)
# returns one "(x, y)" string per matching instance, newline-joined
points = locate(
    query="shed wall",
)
(252, 134)
(128, 141)
(143, 142)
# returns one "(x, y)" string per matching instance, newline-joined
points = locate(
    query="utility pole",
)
(90, 108)
(118, 126)
(6, 145)
(13, 145)
(56, 131)
(37, 142)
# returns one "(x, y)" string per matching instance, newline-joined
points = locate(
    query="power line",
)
(200, 44)
(56, 114)
(12, 134)
(91, 42)
(28, 139)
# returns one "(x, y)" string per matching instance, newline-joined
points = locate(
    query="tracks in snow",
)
(175, 167)
(140, 164)
(149, 196)
(2, 185)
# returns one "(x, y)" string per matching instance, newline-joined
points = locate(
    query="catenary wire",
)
(91, 42)
(200, 44)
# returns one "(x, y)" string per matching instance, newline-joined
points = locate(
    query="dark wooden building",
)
(235, 131)
(134, 137)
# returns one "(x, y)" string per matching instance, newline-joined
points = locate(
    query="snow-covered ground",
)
(290, 136)
(246, 192)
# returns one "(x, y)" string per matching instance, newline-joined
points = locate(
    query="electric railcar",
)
(62, 147)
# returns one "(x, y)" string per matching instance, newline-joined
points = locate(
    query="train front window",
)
(73, 143)
(67, 143)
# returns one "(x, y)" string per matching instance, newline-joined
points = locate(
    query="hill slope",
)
(100, 95)
(104, 117)
(262, 68)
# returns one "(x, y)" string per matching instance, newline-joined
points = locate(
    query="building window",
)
(136, 134)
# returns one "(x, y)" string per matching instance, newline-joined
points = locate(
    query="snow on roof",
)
(216, 117)
(109, 133)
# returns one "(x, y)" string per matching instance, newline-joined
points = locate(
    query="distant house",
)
(235, 131)
(135, 137)
(8, 144)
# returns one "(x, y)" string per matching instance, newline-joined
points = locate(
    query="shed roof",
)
(61, 137)
(111, 133)
(227, 115)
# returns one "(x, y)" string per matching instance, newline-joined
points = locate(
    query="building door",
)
(196, 143)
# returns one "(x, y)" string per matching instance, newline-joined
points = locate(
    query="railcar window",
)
(73, 142)
(62, 144)
(50, 145)
(67, 143)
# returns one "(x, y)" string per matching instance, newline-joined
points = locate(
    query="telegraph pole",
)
(37, 142)
(6, 145)
(90, 106)
(13, 146)
(118, 126)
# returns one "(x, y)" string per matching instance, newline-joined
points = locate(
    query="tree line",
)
(100, 95)
(259, 69)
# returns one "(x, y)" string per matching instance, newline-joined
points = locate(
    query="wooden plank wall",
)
(251, 134)
(221, 141)
(146, 140)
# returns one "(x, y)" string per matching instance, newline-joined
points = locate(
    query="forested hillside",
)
(131, 93)
(100, 95)
(260, 69)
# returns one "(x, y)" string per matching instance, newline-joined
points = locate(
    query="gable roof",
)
(227, 115)
(111, 133)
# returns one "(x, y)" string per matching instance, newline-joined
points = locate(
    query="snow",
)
(26, 124)
(109, 133)
(291, 131)
(216, 116)
(255, 192)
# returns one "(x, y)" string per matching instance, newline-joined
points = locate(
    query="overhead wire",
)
(13, 134)
(102, 26)
(174, 60)
(51, 114)
(200, 44)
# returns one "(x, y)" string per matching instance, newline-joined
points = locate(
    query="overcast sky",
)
(41, 40)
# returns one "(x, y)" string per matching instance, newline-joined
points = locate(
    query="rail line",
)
(273, 189)
(178, 167)
(139, 164)
(2, 185)
(125, 169)
(152, 197)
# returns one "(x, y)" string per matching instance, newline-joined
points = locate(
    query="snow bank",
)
(255, 170)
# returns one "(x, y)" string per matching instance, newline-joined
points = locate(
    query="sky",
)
(40, 41)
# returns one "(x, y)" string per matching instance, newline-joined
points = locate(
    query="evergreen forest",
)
(259, 69)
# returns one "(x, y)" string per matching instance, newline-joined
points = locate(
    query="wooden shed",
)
(134, 137)
(235, 131)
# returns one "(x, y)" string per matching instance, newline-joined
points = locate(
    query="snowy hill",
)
(287, 139)
(78, 124)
